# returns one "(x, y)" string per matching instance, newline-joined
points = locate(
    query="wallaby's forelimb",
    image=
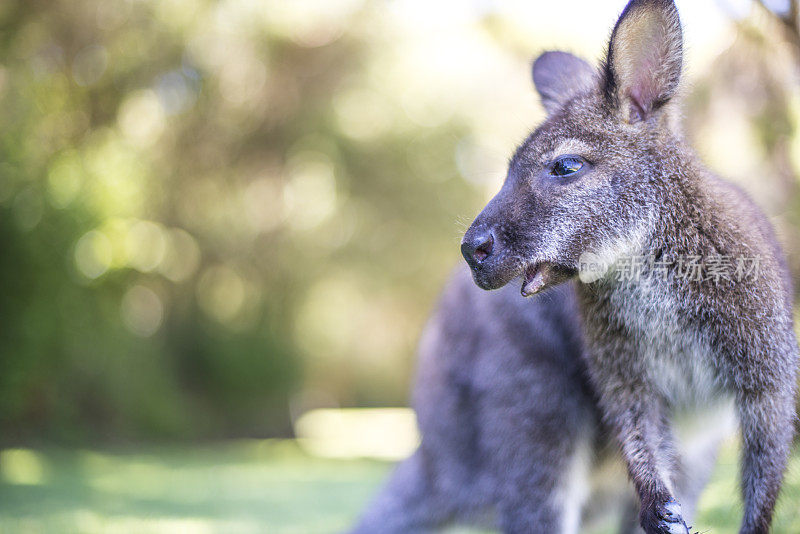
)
(638, 419)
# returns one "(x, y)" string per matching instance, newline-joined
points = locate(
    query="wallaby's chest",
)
(657, 338)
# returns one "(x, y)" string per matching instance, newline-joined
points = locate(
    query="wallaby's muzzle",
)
(485, 256)
(497, 251)
(476, 248)
(493, 260)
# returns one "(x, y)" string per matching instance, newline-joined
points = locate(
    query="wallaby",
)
(609, 180)
(511, 434)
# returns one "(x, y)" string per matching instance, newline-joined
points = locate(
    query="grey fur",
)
(502, 413)
(510, 428)
(656, 345)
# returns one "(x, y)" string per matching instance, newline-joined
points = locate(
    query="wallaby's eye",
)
(566, 166)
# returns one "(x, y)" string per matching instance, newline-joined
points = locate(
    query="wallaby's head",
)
(587, 179)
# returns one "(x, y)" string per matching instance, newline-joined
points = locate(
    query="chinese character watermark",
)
(716, 268)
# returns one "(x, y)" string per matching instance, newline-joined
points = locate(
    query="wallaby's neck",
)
(678, 208)
(676, 220)
(686, 221)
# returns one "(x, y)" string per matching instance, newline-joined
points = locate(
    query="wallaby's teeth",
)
(534, 280)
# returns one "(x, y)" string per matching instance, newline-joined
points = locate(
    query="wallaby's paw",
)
(663, 518)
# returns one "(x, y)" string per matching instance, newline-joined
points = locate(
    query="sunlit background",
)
(223, 224)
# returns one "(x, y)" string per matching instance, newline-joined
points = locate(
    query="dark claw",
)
(664, 518)
(671, 512)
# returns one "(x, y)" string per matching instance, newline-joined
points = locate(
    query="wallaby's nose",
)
(477, 247)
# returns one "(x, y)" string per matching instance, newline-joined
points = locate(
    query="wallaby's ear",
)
(643, 66)
(558, 76)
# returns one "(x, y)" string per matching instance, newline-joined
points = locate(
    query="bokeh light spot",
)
(175, 92)
(142, 311)
(382, 433)
(363, 114)
(141, 118)
(145, 245)
(242, 79)
(262, 204)
(310, 195)
(182, 257)
(89, 65)
(221, 293)
(93, 254)
(64, 179)
(22, 466)
(329, 22)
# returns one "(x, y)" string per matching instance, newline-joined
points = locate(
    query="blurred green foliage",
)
(181, 208)
(215, 215)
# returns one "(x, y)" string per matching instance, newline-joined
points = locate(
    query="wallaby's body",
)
(609, 173)
(510, 428)
(504, 417)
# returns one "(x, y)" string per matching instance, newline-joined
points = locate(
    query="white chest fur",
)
(677, 360)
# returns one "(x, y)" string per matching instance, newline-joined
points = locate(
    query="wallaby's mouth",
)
(541, 275)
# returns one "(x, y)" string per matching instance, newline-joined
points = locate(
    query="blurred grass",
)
(264, 486)
(253, 486)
